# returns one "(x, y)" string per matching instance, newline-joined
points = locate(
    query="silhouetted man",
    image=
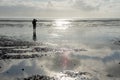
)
(34, 29)
(34, 23)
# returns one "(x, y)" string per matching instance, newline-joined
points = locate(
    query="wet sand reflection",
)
(34, 35)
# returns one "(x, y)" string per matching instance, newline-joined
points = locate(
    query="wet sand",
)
(12, 49)
(18, 49)
(60, 51)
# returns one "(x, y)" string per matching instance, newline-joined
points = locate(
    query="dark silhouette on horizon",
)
(34, 23)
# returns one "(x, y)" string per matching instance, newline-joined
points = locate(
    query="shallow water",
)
(77, 46)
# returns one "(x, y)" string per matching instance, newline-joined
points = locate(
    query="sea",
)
(59, 49)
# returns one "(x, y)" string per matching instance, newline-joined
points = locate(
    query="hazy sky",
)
(60, 8)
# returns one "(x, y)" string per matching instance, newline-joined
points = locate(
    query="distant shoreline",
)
(52, 20)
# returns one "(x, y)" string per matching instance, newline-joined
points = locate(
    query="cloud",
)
(63, 4)
(59, 7)
(91, 5)
(83, 5)
(26, 3)
(14, 71)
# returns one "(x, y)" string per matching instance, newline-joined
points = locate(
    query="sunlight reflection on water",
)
(61, 24)
(72, 46)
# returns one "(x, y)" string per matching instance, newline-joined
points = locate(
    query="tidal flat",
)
(60, 50)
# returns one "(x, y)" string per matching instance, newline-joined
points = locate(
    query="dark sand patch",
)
(10, 45)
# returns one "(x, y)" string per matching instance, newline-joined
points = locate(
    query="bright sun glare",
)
(61, 24)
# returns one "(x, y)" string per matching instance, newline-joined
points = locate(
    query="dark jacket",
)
(34, 23)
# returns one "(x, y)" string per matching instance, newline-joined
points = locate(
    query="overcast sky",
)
(60, 8)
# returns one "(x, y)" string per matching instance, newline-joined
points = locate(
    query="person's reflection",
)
(34, 35)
